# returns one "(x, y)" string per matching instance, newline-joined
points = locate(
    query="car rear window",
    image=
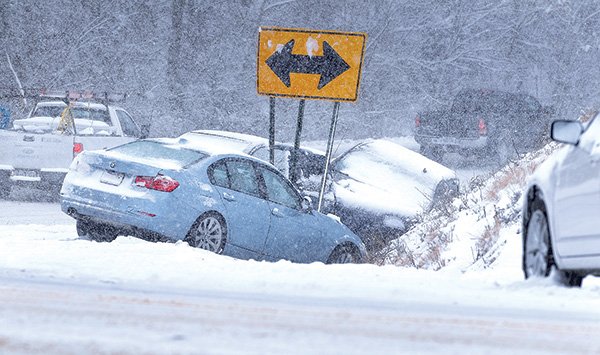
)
(91, 114)
(473, 101)
(159, 152)
(48, 111)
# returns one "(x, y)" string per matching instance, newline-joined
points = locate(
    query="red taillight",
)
(417, 121)
(158, 182)
(77, 148)
(482, 127)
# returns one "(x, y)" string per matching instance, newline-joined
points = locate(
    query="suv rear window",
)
(481, 101)
(158, 154)
(477, 101)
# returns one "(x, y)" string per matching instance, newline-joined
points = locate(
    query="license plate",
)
(26, 173)
(111, 178)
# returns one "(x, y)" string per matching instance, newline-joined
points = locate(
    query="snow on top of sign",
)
(311, 46)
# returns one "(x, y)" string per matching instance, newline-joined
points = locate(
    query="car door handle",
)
(276, 212)
(228, 196)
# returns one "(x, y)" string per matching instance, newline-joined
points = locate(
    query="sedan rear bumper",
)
(129, 219)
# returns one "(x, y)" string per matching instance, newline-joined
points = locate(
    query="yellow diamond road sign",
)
(309, 64)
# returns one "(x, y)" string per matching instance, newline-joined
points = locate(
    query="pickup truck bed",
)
(34, 153)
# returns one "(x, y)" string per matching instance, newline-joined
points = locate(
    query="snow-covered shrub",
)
(468, 231)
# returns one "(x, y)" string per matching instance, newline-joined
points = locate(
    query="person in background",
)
(66, 124)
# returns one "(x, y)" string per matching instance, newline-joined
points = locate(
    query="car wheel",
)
(83, 228)
(537, 251)
(4, 192)
(570, 279)
(98, 232)
(5, 186)
(505, 149)
(209, 232)
(344, 254)
(536, 257)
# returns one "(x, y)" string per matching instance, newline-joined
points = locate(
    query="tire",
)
(344, 254)
(98, 232)
(5, 186)
(569, 278)
(538, 261)
(209, 232)
(536, 246)
(4, 192)
(505, 150)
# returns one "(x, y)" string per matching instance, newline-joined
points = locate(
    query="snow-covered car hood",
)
(387, 178)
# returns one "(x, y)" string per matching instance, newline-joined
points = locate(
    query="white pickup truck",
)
(35, 152)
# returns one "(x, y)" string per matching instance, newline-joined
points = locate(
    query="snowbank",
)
(479, 230)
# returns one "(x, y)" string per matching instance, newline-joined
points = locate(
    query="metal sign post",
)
(272, 130)
(336, 110)
(294, 156)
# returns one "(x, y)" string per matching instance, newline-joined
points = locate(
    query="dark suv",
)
(485, 123)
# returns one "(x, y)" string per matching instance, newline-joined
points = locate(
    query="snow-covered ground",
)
(61, 294)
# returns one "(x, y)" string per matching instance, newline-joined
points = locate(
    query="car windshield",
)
(158, 153)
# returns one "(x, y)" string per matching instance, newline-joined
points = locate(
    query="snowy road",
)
(49, 316)
(60, 294)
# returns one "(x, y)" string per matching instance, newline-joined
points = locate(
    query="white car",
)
(561, 207)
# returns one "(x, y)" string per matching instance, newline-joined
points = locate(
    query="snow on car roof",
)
(90, 105)
(207, 147)
(241, 141)
(213, 145)
(388, 178)
(234, 135)
(221, 141)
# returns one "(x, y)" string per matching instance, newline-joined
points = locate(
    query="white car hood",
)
(404, 188)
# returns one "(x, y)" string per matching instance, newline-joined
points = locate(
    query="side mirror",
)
(145, 130)
(307, 204)
(564, 131)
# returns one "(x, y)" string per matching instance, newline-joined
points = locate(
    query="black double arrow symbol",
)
(330, 65)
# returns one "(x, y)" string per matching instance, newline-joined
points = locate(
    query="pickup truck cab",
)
(35, 152)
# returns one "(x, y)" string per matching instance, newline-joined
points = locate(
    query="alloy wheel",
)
(209, 235)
